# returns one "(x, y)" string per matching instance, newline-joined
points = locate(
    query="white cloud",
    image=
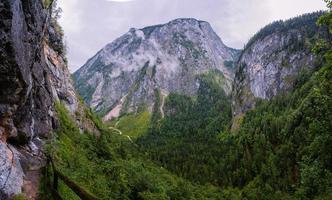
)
(283, 9)
(71, 15)
(119, 0)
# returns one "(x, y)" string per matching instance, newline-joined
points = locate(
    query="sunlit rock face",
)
(273, 59)
(125, 74)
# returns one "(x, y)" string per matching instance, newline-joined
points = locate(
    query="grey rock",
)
(11, 173)
(273, 59)
(123, 76)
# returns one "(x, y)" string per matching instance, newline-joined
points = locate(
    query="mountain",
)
(267, 138)
(189, 137)
(274, 57)
(33, 76)
(277, 144)
(128, 73)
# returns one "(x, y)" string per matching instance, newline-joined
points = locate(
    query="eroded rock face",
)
(125, 74)
(11, 173)
(33, 76)
(273, 59)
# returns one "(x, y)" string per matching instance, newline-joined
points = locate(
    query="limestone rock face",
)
(33, 76)
(11, 173)
(273, 58)
(125, 74)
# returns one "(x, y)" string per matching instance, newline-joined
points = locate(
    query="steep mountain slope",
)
(125, 75)
(33, 76)
(273, 58)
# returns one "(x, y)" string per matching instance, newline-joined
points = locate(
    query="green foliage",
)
(185, 141)
(47, 3)
(323, 46)
(303, 23)
(156, 113)
(285, 142)
(328, 4)
(111, 167)
(19, 197)
(280, 150)
(95, 119)
(134, 125)
(55, 36)
(45, 192)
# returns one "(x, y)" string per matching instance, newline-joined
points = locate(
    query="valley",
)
(192, 134)
(165, 112)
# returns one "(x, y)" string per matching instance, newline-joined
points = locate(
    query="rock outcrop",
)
(273, 58)
(33, 76)
(125, 75)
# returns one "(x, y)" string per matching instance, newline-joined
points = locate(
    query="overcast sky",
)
(91, 24)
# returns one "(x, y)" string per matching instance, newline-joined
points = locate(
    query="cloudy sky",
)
(91, 24)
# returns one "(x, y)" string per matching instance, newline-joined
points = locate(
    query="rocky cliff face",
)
(33, 75)
(273, 59)
(125, 75)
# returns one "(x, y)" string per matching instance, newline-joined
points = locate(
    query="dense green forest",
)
(186, 140)
(282, 146)
(281, 149)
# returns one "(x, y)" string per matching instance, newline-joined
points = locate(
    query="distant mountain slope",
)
(126, 74)
(274, 57)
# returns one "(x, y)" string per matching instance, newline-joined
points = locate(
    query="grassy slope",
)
(134, 125)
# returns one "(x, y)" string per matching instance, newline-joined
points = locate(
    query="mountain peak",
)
(186, 20)
(180, 23)
(167, 57)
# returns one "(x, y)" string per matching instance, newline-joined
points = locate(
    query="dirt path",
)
(129, 138)
(117, 123)
(115, 129)
(164, 95)
(31, 184)
(120, 133)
